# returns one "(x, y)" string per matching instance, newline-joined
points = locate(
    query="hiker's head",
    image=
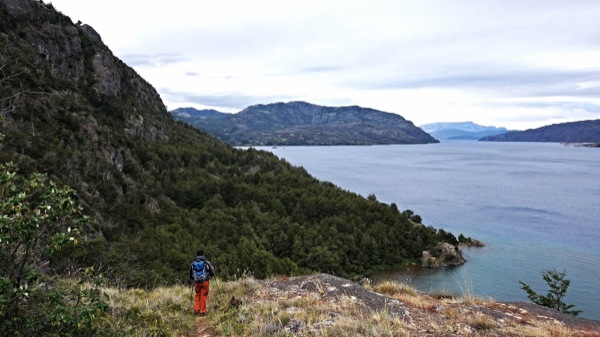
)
(199, 252)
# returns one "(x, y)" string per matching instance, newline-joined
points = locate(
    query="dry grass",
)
(390, 288)
(164, 311)
(542, 329)
(259, 310)
(289, 314)
(442, 313)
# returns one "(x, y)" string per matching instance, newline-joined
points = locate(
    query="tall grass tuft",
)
(390, 288)
(163, 311)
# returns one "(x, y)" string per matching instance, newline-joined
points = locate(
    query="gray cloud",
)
(229, 102)
(321, 69)
(590, 108)
(508, 82)
(389, 55)
(153, 60)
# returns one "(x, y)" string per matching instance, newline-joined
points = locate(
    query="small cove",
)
(535, 205)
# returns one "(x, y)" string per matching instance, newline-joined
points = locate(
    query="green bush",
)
(37, 219)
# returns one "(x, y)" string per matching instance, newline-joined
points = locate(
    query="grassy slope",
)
(318, 305)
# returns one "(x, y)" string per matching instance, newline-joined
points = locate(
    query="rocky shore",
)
(326, 305)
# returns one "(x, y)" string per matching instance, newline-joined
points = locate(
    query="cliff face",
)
(70, 107)
(301, 123)
(55, 58)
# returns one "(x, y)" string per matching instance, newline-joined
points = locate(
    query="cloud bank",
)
(513, 64)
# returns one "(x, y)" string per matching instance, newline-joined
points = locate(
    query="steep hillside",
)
(461, 131)
(157, 189)
(301, 123)
(574, 132)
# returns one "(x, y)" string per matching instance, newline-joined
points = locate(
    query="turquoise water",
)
(535, 205)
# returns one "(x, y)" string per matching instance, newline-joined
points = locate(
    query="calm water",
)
(536, 206)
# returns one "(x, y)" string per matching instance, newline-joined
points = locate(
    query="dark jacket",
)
(207, 267)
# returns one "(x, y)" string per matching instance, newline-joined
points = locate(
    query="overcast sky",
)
(518, 64)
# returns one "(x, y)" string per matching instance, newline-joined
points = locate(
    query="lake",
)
(536, 206)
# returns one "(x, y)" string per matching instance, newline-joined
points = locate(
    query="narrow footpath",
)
(202, 330)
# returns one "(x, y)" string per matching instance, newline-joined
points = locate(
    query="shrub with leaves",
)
(37, 219)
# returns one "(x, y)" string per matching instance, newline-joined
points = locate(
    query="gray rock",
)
(445, 255)
(108, 78)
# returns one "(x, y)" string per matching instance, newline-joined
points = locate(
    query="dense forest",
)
(155, 189)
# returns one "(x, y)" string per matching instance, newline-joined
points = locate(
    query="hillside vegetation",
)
(155, 190)
(301, 123)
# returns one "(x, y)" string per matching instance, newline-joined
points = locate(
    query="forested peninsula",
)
(302, 123)
(154, 190)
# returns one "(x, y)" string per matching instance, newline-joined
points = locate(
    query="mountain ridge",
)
(189, 112)
(587, 131)
(461, 130)
(302, 123)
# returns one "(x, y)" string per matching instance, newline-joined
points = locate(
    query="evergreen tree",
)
(558, 288)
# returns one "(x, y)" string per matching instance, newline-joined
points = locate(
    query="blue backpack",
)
(200, 273)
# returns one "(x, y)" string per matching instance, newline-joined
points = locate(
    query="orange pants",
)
(201, 297)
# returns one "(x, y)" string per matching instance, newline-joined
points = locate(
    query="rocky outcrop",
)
(137, 128)
(472, 243)
(443, 255)
(469, 241)
(73, 58)
(17, 7)
(418, 314)
(108, 79)
(329, 286)
(91, 32)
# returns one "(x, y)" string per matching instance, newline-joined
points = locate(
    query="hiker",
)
(201, 271)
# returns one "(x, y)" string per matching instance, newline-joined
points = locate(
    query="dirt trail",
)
(202, 330)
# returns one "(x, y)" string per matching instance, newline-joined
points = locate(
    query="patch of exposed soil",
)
(202, 330)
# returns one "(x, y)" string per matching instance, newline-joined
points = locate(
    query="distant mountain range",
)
(301, 123)
(185, 114)
(573, 132)
(461, 130)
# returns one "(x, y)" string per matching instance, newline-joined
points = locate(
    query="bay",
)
(535, 205)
